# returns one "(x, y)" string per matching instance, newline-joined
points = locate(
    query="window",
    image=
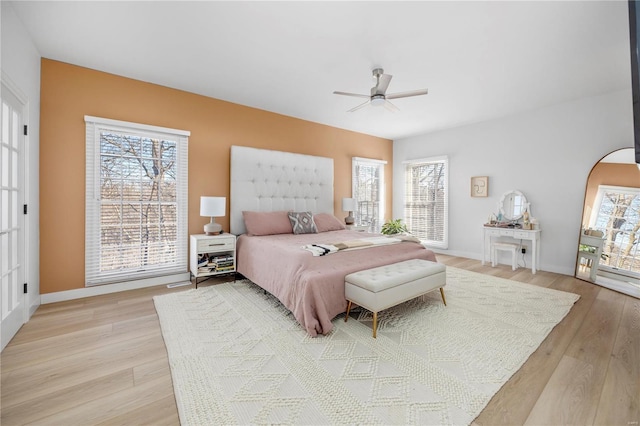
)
(136, 201)
(617, 213)
(368, 191)
(427, 199)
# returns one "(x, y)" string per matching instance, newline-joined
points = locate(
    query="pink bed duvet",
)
(313, 287)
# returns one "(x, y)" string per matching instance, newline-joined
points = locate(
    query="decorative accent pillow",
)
(302, 223)
(327, 222)
(266, 223)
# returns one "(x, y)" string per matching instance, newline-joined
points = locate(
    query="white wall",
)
(547, 154)
(20, 61)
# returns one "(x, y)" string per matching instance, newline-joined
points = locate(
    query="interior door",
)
(12, 297)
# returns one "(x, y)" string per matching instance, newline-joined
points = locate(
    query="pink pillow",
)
(267, 223)
(327, 222)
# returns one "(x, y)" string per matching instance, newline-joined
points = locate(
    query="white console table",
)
(489, 233)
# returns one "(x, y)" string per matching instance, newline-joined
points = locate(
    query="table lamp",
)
(349, 205)
(213, 207)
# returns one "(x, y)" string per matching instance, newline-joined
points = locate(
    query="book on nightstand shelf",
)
(215, 263)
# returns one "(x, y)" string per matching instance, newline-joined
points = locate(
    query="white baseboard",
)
(111, 288)
(33, 308)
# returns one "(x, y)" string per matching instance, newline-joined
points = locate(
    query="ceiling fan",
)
(378, 93)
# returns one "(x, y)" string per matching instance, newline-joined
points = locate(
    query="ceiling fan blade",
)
(351, 94)
(407, 94)
(390, 107)
(362, 105)
(383, 84)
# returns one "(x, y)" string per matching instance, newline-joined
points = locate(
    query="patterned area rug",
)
(238, 356)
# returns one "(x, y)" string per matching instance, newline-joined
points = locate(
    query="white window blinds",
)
(136, 201)
(368, 190)
(426, 200)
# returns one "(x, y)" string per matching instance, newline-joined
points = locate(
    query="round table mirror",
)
(513, 205)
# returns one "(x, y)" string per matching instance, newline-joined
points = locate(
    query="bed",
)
(266, 185)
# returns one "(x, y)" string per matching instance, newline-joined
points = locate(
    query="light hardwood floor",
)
(102, 360)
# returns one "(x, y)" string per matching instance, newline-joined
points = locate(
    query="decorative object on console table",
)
(349, 205)
(212, 255)
(526, 224)
(480, 186)
(213, 207)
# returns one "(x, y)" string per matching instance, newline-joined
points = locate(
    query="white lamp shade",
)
(213, 206)
(348, 204)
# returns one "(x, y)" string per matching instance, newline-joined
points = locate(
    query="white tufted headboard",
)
(265, 180)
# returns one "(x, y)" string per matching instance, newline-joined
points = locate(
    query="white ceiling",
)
(479, 60)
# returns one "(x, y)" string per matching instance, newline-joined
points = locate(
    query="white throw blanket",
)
(325, 249)
(320, 249)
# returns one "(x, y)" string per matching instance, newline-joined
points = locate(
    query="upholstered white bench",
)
(380, 288)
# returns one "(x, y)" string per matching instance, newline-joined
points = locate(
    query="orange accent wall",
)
(70, 92)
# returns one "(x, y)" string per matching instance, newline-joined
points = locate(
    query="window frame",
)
(94, 126)
(410, 164)
(380, 164)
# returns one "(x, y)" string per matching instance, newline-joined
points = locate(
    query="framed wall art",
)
(480, 186)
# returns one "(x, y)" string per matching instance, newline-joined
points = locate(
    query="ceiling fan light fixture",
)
(377, 100)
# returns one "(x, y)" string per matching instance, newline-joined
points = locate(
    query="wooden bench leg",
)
(375, 318)
(375, 324)
(348, 309)
(442, 294)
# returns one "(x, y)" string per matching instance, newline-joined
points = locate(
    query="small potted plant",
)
(392, 227)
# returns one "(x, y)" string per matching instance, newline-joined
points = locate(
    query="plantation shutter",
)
(426, 200)
(367, 179)
(136, 201)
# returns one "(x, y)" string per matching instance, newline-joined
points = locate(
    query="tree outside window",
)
(137, 201)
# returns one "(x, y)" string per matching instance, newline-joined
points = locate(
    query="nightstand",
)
(359, 228)
(212, 255)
